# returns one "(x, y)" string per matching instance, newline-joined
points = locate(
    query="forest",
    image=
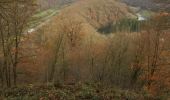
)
(84, 49)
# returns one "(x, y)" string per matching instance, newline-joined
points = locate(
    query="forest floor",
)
(79, 91)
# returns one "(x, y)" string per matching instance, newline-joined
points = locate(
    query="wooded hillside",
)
(84, 50)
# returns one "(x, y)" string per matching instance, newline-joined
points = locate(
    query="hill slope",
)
(82, 19)
(97, 13)
(156, 5)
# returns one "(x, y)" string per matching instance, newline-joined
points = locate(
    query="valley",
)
(84, 50)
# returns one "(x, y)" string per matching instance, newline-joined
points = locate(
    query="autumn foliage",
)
(69, 50)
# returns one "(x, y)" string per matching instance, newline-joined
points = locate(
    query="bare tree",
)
(14, 17)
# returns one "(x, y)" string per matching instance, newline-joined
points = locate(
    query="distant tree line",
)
(46, 4)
